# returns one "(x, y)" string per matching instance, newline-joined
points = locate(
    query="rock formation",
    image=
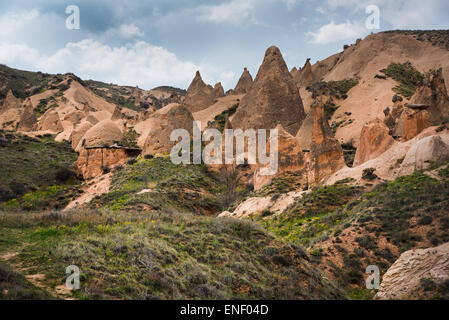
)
(304, 135)
(11, 102)
(374, 140)
(433, 93)
(404, 280)
(92, 162)
(162, 124)
(78, 133)
(199, 95)
(425, 153)
(304, 76)
(244, 84)
(326, 154)
(50, 121)
(28, 120)
(414, 122)
(273, 98)
(104, 133)
(290, 159)
(137, 97)
(218, 91)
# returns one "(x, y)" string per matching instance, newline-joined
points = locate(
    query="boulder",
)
(199, 95)
(273, 98)
(28, 120)
(433, 93)
(244, 84)
(104, 133)
(427, 152)
(374, 140)
(162, 123)
(414, 122)
(404, 279)
(326, 154)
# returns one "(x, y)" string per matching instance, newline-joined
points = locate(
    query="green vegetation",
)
(14, 286)
(329, 108)
(408, 77)
(186, 188)
(164, 255)
(130, 139)
(220, 120)
(32, 165)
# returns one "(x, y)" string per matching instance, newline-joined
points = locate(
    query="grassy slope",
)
(345, 231)
(186, 188)
(164, 255)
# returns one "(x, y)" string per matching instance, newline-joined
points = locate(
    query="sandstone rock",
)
(326, 156)
(117, 115)
(404, 279)
(294, 72)
(50, 121)
(104, 133)
(162, 124)
(91, 162)
(244, 84)
(74, 117)
(78, 133)
(290, 159)
(425, 153)
(199, 95)
(218, 91)
(304, 76)
(374, 140)
(11, 102)
(273, 98)
(304, 135)
(414, 122)
(433, 93)
(137, 97)
(28, 120)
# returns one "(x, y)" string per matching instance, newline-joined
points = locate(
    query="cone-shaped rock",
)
(218, 91)
(273, 98)
(245, 83)
(11, 102)
(305, 76)
(28, 119)
(199, 95)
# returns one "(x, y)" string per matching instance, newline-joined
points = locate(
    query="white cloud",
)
(125, 31)
(235, 12)
(291, 4)
(336, 32)
(133, 64)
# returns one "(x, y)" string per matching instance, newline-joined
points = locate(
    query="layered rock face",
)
(199, 95)
(425, 153)
(374, 140)
(433, 94)
(28, 120)
(404, 279)
(162, 124)
(326, 154)
(291, 159)
(273, 98)
(91, 162)
(244, 84)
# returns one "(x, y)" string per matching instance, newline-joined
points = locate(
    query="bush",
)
(408, 77)
(64, 174)
(17, 188)
(105, 169)
(132, 161)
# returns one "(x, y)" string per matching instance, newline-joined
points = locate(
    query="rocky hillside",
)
(363, 151)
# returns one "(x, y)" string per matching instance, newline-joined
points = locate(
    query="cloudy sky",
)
(163, 42)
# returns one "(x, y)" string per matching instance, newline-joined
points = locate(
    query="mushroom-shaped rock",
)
(104, 133)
